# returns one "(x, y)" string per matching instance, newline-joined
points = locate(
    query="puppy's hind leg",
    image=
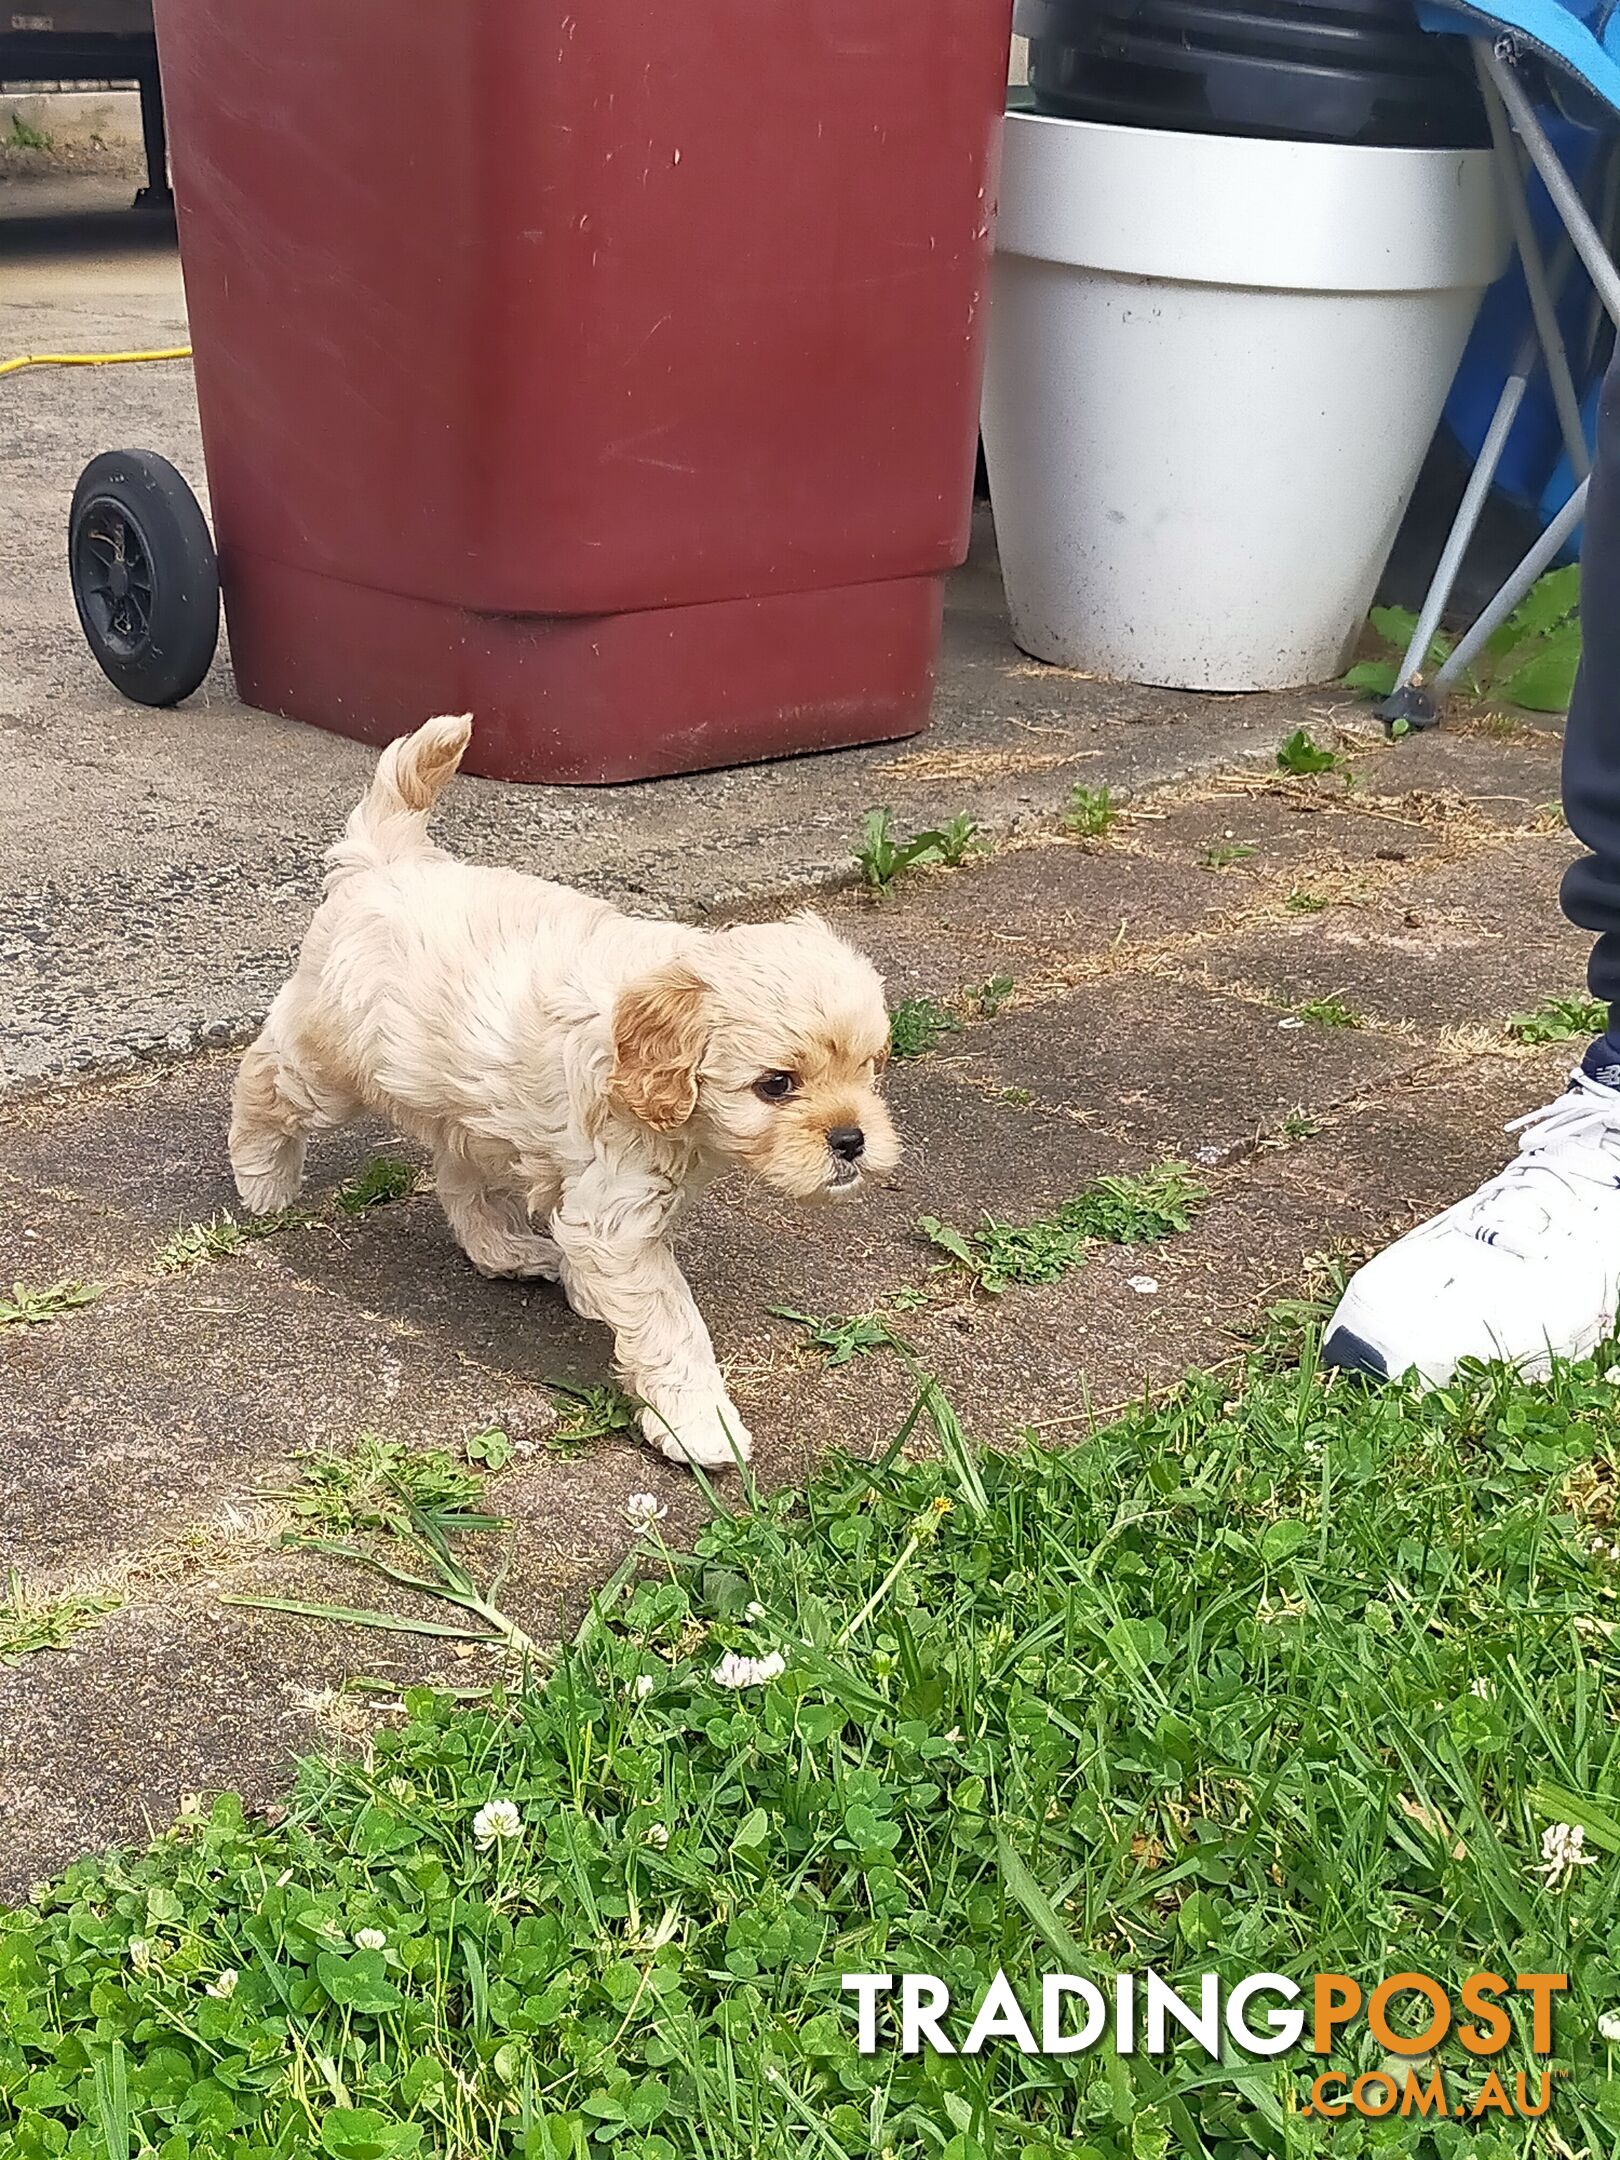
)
(278, 1100)
(490, 1224)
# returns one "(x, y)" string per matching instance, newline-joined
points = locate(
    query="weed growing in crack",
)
(843, 1338)
(882, 857)
(384, 1180)
(988, 998)
(372, 1486)
(1559, 1020)
(224, 1237)
(957, 841)
(28, 1306)
(1328, 1012)
(1091, 811)
(1222, 854)
(589, 1412)
(1301, 755)
(916, 1024)
(33, 1620)
(394, 1512)
(1140, 1210)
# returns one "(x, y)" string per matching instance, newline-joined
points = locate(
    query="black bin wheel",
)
(145, 578)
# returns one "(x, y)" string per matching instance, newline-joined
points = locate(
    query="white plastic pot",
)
(1214, 368)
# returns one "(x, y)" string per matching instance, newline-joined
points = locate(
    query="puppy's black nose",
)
(847, 1142)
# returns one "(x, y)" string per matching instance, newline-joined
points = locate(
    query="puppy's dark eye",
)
(776, 1087)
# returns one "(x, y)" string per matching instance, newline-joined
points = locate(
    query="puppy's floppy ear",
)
(660, 1031)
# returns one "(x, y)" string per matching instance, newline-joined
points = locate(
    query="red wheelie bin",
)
(609, 368)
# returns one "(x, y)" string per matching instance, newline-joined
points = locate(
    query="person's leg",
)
(1528, 1267)
(1591, 890)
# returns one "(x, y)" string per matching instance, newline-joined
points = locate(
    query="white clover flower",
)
(400, 1789)
(644, 1509)
(495, 1820)
(737, 1671)
(754, 1610)
(1480, 1687)
(140, 1953)
(643, 1687)
(1613, 1376)
(224, 1987)
(1563, 1850)
(657, 1834)
(370, 1939)
(1609, 2025)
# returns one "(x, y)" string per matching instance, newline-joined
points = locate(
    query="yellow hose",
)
(90, 359)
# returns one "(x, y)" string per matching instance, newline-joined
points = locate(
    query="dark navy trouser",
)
(1591, 894)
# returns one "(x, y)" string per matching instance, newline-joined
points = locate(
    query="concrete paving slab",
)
(1177, 1069)
(1415, 1148)
(46, 1238)
(1470, 942)
(1508, 773)
(105, 1740)
(141, 1417)
(1251, 831)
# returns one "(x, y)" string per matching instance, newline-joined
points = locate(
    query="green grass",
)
(1301, 902)
(916, 1024)
(1091, 811)
(34, 1620)
(24, 137)
(31, 1305)
(1560, 1020)
(384, 1179)
(1115, 1211)
(1222, 854)
(1329, 1012)
(1275, 1676)
(374, 1484)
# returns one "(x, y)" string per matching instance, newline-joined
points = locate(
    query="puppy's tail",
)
(389, 823)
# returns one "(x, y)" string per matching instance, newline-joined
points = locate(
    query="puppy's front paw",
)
(698, 1428)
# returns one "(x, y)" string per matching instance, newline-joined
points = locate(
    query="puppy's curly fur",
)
(577, 1072)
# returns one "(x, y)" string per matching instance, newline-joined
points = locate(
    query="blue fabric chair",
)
(1567, 148)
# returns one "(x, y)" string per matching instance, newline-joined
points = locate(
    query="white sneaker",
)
(1525, 1270)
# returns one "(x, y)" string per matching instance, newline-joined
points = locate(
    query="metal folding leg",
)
(1413, 701)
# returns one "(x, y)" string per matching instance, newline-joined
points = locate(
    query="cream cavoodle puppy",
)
(577, 1072)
